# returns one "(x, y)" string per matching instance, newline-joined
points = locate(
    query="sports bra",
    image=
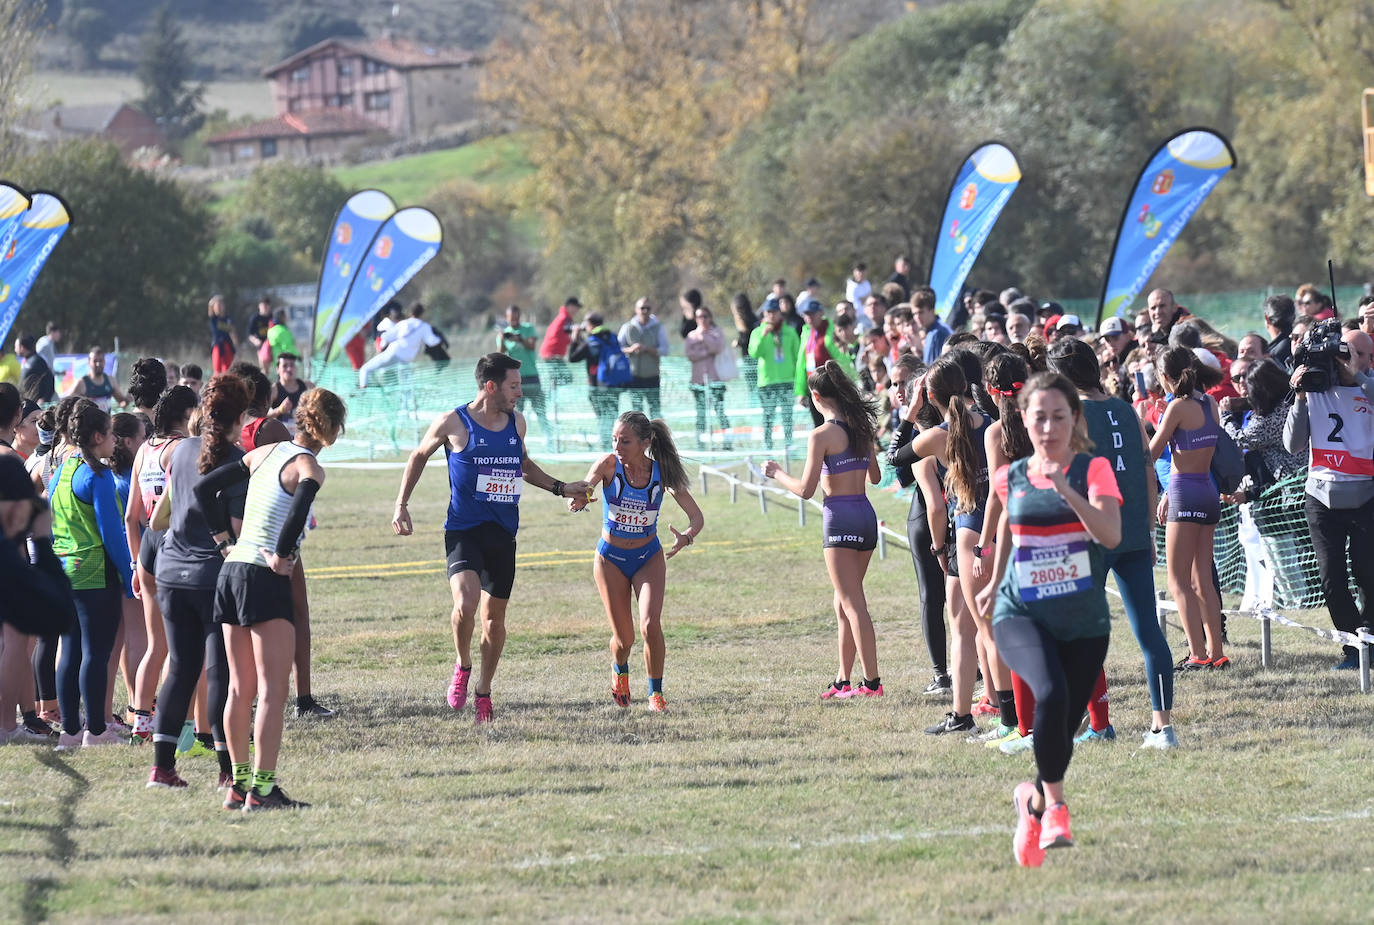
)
(631, 513)
(1199, 438)
(847, 461)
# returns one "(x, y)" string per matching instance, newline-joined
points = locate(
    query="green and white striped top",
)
(266, 508)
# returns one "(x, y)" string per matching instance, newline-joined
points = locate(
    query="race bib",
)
(1044, 572)
(497, 484)
(632, 520)
(777, 352)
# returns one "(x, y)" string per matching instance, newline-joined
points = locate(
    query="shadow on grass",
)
(38, 891)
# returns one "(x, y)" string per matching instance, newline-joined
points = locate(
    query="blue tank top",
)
(484, 477)
(851, 460)
(631, 513)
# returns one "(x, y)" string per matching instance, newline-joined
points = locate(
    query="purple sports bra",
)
(1200, 438)
(848, 461)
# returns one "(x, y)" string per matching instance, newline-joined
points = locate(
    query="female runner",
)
(1118, 433)
(839, 453)
(88, 535)
(1189, 429)
(958, 446)
(253, 601)
(630, 559)
(171, 423)
(1050, 616)
(188, 566)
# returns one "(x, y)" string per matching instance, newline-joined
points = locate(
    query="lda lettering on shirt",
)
(1117, 440)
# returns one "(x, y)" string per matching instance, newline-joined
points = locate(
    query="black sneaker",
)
(276, 799)
(308, 706)
(38, 727)
(939, 685)
(234, 797)
(952, 722)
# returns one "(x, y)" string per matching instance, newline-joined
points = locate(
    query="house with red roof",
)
(339, 92)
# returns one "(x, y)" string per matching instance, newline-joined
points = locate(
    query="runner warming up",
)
(253, 600)
(484, 442)
(1061, 508)
(630, 558)
(840, 452)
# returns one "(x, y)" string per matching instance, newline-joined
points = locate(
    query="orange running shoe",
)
(1054, 827)
(1025, 844)
(657, 704)
(985, 707)
(620, 689)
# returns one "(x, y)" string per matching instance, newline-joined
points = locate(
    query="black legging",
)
(45, 668)
(193, 641)
(1061, 675)
(930, 579)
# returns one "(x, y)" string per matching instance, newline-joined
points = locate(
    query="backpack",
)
(612, 365)
(1228, 463)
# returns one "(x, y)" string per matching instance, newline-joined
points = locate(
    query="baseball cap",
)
(1050, 308)
(1067, 321)
(1112, 326)
(15, 484)
(812, 305)
(572, 300)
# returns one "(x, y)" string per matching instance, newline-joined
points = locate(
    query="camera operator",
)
(1333, 413)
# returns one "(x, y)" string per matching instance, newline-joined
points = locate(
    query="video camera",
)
(1320, 349)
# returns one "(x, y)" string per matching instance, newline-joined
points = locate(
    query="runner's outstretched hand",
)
(680, 540)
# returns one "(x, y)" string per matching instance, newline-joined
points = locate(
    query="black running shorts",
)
(487, 549)
(248, 594)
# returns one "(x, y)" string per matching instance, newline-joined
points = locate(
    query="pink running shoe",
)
(458, 690)
(985, 707)
(483, 704)
(863, 690)
(167, 779)
(1054, 827)
(620, 689)
(838, 690)
(1025, 844)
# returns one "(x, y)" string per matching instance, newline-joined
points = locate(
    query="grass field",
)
(497, 161)
(748, 801)
(237, 97)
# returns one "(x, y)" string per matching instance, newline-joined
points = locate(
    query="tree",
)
(239, 260)
(88, 26)
(164, 70)
(301, 28)
(130, 265)
(299, 202)
(18, 38)
(633, 103)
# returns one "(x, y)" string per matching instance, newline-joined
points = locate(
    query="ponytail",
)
(172, 408)
(664, 452)
(861, 414)
(1006, 375)
(222, 404)
(963, 458)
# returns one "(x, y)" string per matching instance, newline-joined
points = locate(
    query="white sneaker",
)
(119, 726)
(1161, 740)
(21, 736)
(109, 737)
(67, 743)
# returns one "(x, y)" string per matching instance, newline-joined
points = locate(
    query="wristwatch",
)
(979, 551)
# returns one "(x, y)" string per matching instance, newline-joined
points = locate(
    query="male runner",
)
(484, 442)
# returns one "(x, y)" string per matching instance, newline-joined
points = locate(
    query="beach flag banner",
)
(410, 239)
(1170, 188)
(350, 237)
(976, 198)
(37, 233)
(14, 202)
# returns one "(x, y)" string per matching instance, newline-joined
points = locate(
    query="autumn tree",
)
(633, 104)
(18, 38)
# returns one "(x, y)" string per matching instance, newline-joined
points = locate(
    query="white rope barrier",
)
(1266, 616)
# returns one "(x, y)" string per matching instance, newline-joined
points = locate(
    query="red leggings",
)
(1025, 704)
(221, 357)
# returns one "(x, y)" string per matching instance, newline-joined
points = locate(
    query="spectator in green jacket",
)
(776, 346)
